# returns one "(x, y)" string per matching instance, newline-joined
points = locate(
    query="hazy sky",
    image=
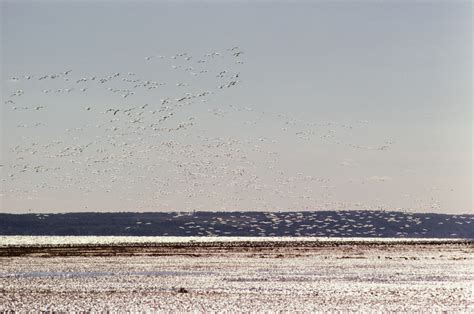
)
(336, 105)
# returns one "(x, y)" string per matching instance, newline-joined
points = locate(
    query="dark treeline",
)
(320, 223)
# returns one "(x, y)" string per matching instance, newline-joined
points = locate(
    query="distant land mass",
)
(308, 223)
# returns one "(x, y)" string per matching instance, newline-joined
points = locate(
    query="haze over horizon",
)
(236, 106)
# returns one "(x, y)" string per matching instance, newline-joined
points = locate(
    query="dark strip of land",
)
(308, 223)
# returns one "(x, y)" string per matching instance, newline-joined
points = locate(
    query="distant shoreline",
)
(346, 224)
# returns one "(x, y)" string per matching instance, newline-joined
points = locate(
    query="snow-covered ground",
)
(407, 278)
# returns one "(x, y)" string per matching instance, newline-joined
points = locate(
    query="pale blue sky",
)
(369, 74)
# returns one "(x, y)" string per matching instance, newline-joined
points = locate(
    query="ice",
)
(355, 278)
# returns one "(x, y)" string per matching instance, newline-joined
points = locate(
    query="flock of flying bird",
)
(364, 223)
(130, 142)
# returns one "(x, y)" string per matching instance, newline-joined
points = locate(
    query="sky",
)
(306, 106)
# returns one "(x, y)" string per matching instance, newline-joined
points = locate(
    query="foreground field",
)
(355, 277)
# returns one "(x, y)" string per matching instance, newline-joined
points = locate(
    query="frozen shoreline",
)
(48, 241)
(189, 246)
